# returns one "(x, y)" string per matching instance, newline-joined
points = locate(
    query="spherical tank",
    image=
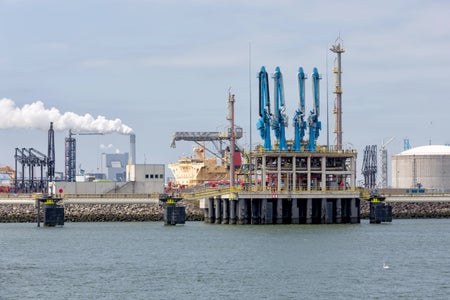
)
(425, 167)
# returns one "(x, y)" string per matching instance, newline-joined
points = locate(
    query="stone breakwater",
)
(99, 212)
(412, 210)
(152, 212)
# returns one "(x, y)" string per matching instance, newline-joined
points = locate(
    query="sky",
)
(157, 67)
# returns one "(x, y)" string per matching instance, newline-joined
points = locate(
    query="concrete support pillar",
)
(323, 212)
(211, 210)
(338, 211)
(256, 216)
(295, 212)
(225, 210)
(218, 207)
(264, 212)
(309, 211)
(206, 214)
(353, 211)
(242, 215)
(233, 211)
(279, 211)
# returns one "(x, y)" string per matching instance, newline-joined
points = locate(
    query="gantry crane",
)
(313, 120)
(263, 124)
(279, 121)
(299, 118)
(30, 158)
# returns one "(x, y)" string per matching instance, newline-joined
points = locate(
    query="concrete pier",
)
(243, 213)
(218, 206)
(256, 216)
(264, 212)
(232, 211)
(279, 211)
(295, 219)
(338, 211)
(298, 210)
(309, 211)
(293, 188)
(211, 210)
(225, 211)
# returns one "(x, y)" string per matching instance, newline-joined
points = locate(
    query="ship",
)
(198, 170)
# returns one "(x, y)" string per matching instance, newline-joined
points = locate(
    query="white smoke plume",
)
(36, 116)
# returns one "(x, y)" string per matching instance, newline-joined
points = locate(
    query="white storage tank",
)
(426, 167)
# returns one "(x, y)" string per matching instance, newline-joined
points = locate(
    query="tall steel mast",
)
(338, 48)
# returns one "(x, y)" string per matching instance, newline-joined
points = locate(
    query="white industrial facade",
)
(141, 179)
(426, 167)
(147, 178)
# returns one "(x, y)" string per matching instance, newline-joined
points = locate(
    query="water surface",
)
(146, 260)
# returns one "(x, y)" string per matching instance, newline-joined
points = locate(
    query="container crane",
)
(299, 122)
(280, 120)
(313, 120)
(263, 124)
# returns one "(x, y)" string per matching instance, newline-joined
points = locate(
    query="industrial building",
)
(141, 179)
(425, 167)
(113, 165)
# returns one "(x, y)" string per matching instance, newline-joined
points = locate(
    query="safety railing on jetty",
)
(201, 193)
(84, 198)
(319, 149)
(113, 196)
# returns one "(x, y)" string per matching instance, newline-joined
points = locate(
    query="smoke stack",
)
(132, 156)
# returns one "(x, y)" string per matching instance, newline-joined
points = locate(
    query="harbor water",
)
(405, 259)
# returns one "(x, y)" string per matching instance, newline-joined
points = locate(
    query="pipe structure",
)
(263, 124)
(338, 49)
(232, 141)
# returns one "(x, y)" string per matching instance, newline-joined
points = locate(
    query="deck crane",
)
(313, 120)
(263, 124)
(280, 120)
(299, 122)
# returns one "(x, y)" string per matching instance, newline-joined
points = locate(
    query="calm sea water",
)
(203, 261)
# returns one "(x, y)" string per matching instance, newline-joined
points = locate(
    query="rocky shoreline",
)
(10, 213)
(23, 213)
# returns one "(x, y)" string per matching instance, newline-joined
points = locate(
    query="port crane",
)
(299, 118)
(313, 120)
(280, 120)
(263, 124)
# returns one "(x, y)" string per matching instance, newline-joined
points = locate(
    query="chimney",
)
(132, 156)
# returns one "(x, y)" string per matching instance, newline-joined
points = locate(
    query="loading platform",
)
(283, 187)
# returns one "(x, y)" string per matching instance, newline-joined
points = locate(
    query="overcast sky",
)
(166, 66)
